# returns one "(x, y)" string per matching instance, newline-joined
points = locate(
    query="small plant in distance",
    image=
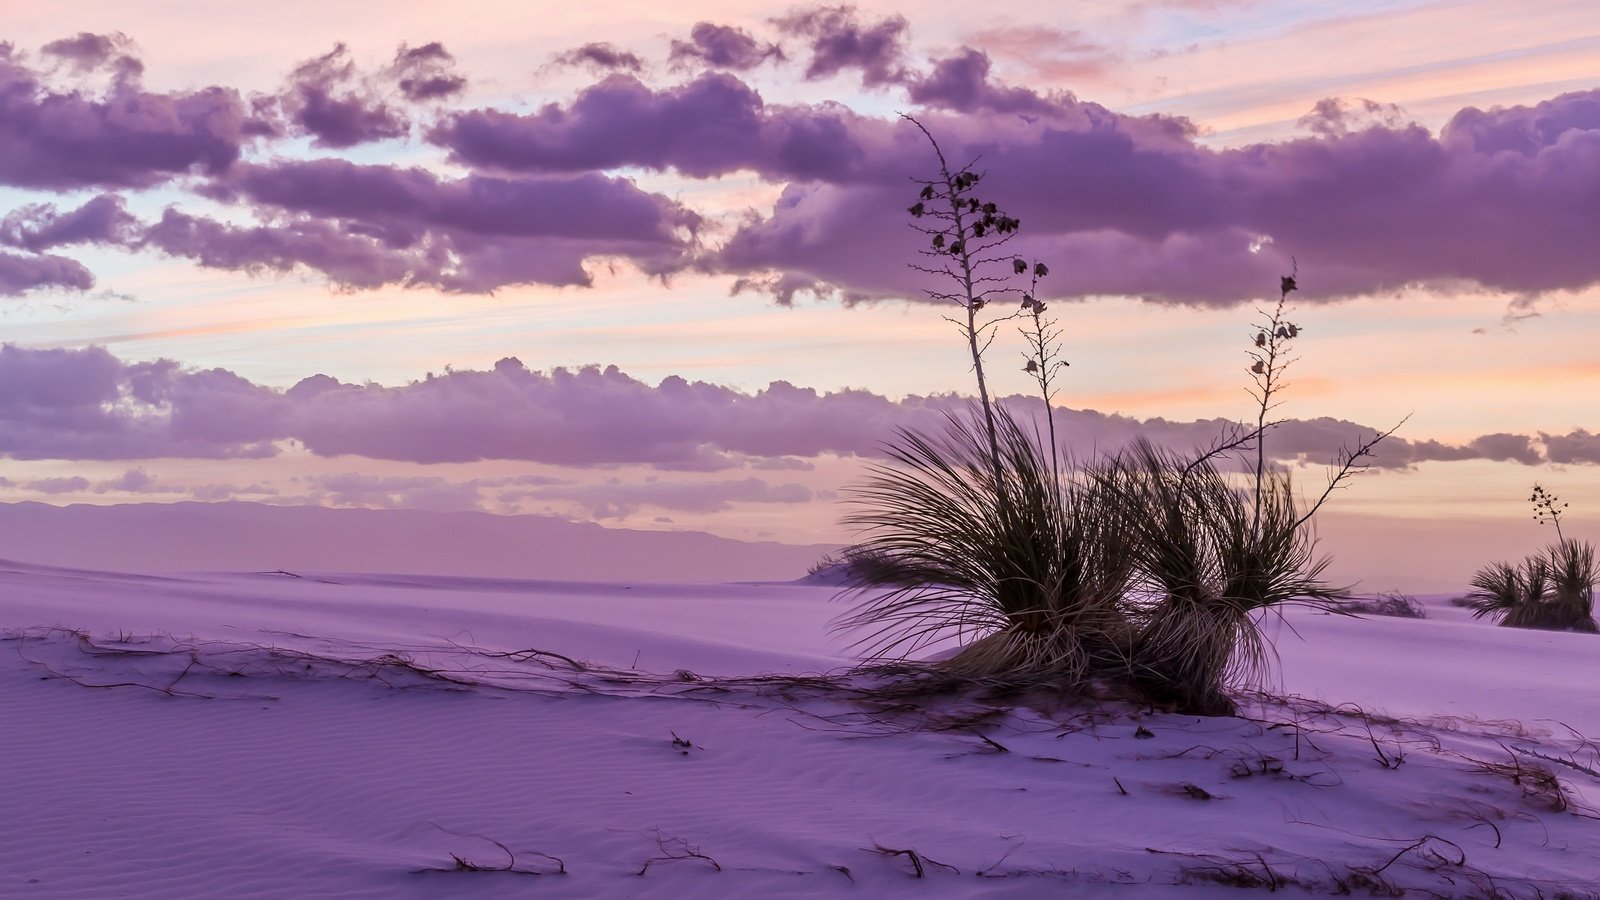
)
(1552, 589)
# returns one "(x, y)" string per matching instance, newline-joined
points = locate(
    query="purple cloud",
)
(86, 404)
(39, 227)
(21, 274)
(327, 99)
(87, 52)
(59, 484)
(133, 481)
(65, 140)
(961, 83)
(839, 40)
(1576, 447)
(1338, 116)
(712, 125)
(1130, 206)
(601, 56)
(723, 47)
(425, 73)
(364, 226)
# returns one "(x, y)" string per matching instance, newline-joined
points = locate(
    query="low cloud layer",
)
(89, 405)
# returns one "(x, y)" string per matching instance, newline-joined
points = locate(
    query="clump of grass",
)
(1386, 603)
(1211, 557)
(1551, 590)
(1027, 571)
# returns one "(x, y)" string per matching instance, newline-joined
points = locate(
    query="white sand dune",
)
(255, 735)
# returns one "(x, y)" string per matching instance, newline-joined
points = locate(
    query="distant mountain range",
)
(236, 536)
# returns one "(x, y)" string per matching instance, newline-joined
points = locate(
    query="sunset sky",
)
(645, 263)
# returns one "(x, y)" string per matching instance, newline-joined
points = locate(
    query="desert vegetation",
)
(1551, 589)
(1143, 572)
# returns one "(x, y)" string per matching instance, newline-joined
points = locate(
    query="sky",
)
(647, 264)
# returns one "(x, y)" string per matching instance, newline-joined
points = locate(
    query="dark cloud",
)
(601, 56)
(426, 73)
(839, 40)
(1134, 206)
(723, 47)
(125, 137)
(961, 83)
(133, 481)
(20, 274)
(1576, 447)
(59, 484)
(712, 125)
(1338, 116)
(364, 226)
(329, 100)
(39, 227)
(88, 52)
(86, 404)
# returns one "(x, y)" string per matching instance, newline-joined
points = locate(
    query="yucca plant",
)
(1516, 595)
(1028, 572)
(1211, 558)
(1552, 589)
(1573, 578)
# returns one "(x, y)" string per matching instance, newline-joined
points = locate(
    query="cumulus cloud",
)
(41, 226)
(58, 484)
(56, 139)
(1577, 447)
(87, 404)
(723, 47)
(838, 40)
(426, 73)
(713, 125)
(89, 52)
(133, 481)
(601, 56)
(328, 99)
(20, 274)
(370, 225)
(1120, 205)
(1126, 206)
(1338, 116)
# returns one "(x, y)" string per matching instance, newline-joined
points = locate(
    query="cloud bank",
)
(1124, 205)
(89, 405)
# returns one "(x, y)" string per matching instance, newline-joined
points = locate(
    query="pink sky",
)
(644, 265)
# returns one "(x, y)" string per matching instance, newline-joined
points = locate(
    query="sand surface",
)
(264, 735)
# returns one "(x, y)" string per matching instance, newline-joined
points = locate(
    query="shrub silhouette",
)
(1029, 571)
(1145, 572)
(1552, 589)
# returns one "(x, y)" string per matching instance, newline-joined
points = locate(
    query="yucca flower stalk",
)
(966, 235)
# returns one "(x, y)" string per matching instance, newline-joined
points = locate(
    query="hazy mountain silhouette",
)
(255, 537)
